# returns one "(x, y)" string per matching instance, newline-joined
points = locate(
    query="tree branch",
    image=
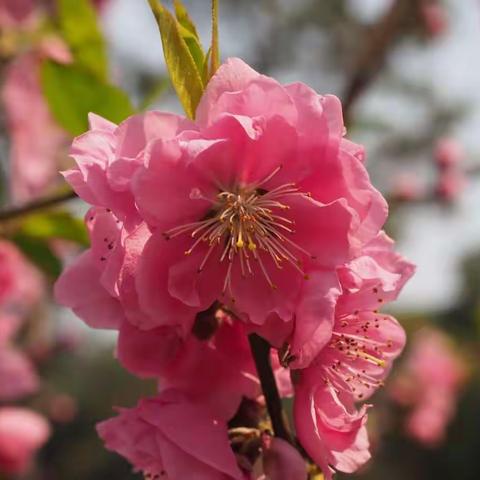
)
(261, 353)
(375, 50)
(31, 207)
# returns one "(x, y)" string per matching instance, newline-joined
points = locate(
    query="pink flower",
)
(406, 187)
(20, 283)
(17, 375)
(15, 13)
(451, 184)
(354, 362)
(172, 437)
(187, 365)
(22, 433)
(36, 140)
(448, 152)
(430, 382)
(434, 17)
(9, 325)
(254, 206)
(367, 282)
(329, 427)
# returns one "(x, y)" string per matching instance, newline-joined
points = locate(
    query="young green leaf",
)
(189, 33)
(78, 24)
(72, 93)
(184, 18)
(184, 73)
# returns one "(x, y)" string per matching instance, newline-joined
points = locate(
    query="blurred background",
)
(408, 74)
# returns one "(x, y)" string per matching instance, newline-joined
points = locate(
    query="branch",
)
(375, 50)
(15, 212)
(261, 353)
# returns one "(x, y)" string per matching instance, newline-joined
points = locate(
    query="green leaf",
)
(184, 73)
(56, 224)
(72, 93)
(206, 67)
(78, 24)
(39, 252)
(194, 46)
(184, 18)
(189, 33)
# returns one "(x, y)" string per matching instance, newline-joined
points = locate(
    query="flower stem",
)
(261, 353)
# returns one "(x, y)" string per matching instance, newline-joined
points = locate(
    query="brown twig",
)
(31, 207)
(261, 353)
(375, 50)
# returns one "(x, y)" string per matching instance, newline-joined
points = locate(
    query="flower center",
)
(245, 224)
(355, 350)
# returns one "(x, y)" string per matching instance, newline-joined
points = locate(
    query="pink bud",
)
(406, 187)
(448, 152)
(434, 18)
(22, 432)
(451, 184)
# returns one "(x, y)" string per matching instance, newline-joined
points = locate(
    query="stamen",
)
(247, 221)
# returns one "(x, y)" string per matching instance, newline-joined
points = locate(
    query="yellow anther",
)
(375, 360)
(240, 243)
(252, 246)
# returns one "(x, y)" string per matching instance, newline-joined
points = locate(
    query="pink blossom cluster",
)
(257, 218)
(451, 179)
(434, 17)
(430, 383)
(36, 141)
(22, 431)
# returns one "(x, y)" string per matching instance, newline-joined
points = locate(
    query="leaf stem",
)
(215, 56)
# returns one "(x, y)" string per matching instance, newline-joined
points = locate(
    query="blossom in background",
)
(434, 17)
(21, 285)
(22, 433)
(16, 13)
(451, 178)
(429, 382)
(406, 187)
(36, 140)
(451, 184)
(448, 153)
(259, 217)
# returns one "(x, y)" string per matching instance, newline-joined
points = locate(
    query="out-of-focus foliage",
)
(75, 89)
(78, 24)
(73, 93)
(55, 224)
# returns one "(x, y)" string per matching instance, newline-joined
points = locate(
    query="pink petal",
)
(233, 75)
(79, 289)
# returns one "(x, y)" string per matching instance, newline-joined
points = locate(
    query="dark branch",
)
(376, 47)
(31, 207)
(261, 353)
